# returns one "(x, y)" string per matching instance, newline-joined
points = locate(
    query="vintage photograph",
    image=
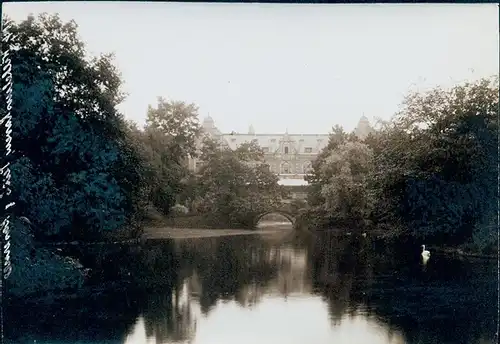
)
(230, 173)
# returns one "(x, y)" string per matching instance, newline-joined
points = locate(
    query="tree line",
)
(428, 173)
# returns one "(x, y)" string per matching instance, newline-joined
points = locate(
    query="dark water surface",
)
(281, 289)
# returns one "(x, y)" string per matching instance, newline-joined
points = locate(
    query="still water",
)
(281, 288)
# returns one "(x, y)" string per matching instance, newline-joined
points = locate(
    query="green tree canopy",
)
(236, 186)
(438, 163)
(73, 169)
(431, 170)
(168, 140)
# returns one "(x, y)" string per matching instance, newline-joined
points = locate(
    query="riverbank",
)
(188, 226)
(190, 233)
(155, 219)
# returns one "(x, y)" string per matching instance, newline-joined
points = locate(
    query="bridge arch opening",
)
(273, 219)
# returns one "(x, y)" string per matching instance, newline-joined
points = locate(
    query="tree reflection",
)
(212, 269)
(168, 319)
(227, 267)
(170, 284)
(340, 273)
(435, 305)
(354, 275)
(91, 319)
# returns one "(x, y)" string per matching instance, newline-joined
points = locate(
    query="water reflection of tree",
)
(157, 272)
(353, 275)
(209, 269)
(436, 308)
(91, 319)
(167, 319)
(340, 272)
(241, 269)
(159, 281)
(125, 273)
(147, 279)
(227, 266)
(447, 303)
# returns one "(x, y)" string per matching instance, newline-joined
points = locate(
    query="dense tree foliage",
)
(75, 175)
(37, 270)
(334, 183)
(179, 125)
(236, 186)
(73, 172)
(231, 187)
(431, 171)
(345, 171)
(316, 179)
(168, 139)
(448, 167)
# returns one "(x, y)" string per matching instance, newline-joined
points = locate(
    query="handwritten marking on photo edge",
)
(5, 170)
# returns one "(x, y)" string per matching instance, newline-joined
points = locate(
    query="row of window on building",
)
(287, 168)
(283, 168)
(287, 151)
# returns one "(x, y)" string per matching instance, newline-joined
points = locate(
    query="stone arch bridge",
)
(288, 215)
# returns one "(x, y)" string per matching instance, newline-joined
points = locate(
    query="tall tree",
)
(342, 181)
(336, 138)
(171, 134)
(75, 174)
(178, 124)
(73, 169)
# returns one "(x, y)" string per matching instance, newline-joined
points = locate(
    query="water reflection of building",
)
(292, 275)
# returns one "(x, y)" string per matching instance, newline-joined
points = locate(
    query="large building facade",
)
(288, 155)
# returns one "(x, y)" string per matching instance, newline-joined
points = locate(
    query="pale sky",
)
(301, 67)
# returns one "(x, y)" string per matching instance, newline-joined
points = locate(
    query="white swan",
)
(425, 253)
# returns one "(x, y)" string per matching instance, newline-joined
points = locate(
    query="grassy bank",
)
(190, 221)
(189, 233)
(156, 219)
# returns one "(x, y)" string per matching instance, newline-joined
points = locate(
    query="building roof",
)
(275, 141)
